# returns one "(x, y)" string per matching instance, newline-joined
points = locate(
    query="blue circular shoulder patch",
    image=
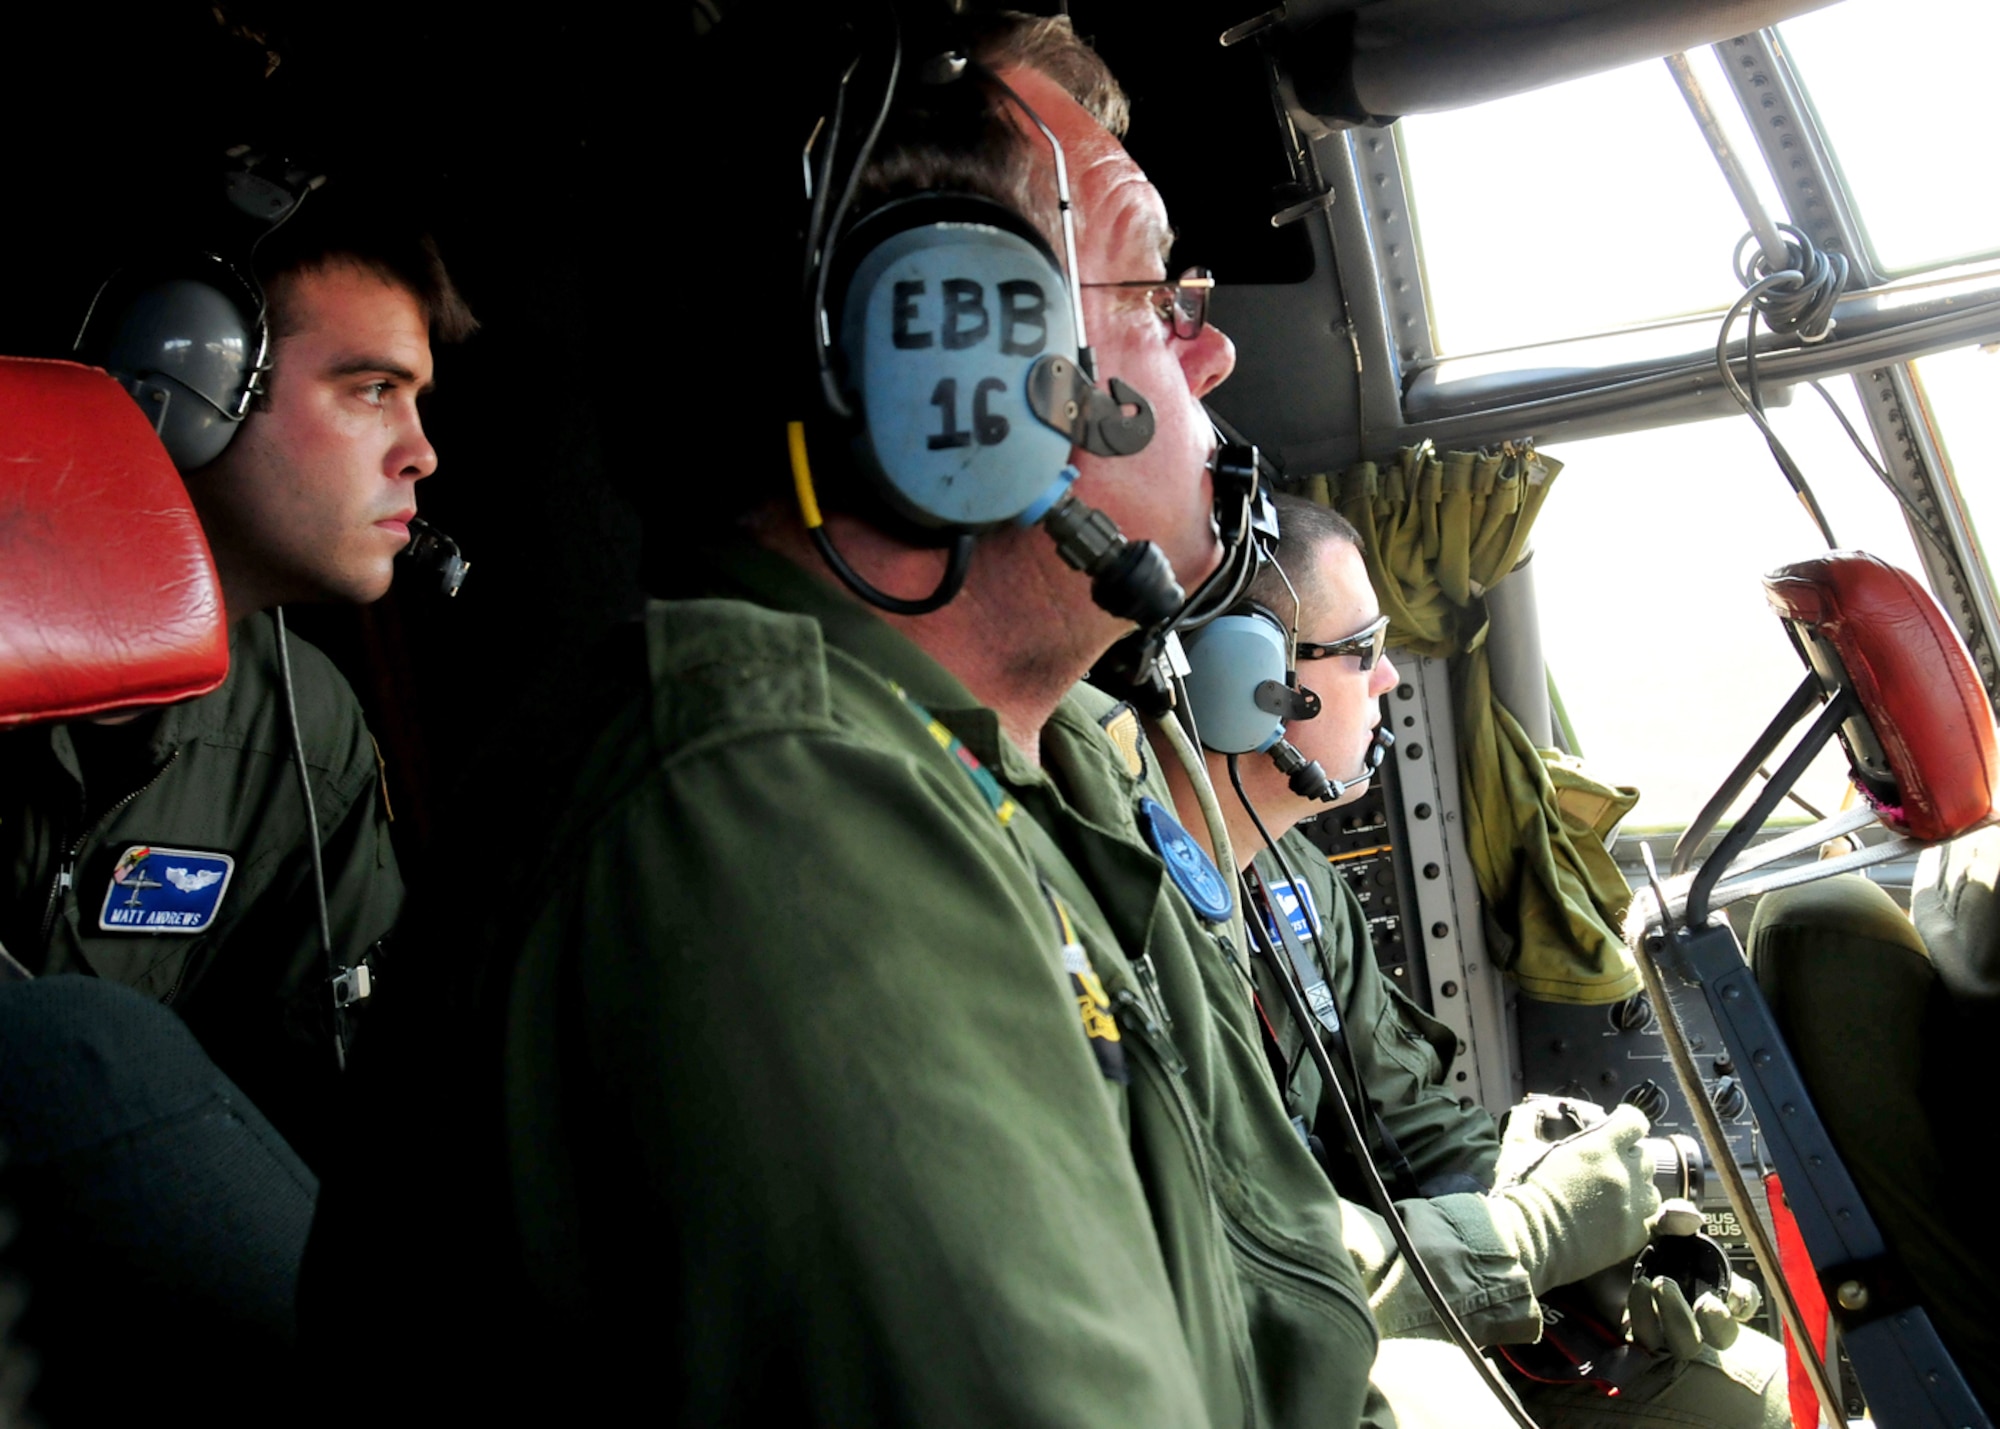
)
(1188, 864)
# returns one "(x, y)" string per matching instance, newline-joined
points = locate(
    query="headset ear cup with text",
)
(946, 303)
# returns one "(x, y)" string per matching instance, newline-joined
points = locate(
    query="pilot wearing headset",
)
(850, 1056)
(1302, 735)
(282, 365)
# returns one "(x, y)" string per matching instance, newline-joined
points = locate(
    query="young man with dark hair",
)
(170, 852)
(167, 1102)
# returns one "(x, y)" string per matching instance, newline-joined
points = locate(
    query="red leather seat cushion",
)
(108, 597)
(1915, 681)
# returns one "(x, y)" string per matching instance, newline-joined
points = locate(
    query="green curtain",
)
(1440, 530)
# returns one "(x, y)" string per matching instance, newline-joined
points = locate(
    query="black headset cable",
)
(312, 841)
(955, 567)
(1350, 1127)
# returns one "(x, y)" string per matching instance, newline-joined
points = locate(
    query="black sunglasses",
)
(1366, 642)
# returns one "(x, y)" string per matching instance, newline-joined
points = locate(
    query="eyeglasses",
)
(1182, 303)
(1366, 642)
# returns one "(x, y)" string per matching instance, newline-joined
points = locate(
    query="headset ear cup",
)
(186, 349)
(944, 306)
(1228, 659)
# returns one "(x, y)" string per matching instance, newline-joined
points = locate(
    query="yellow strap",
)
(802, 477)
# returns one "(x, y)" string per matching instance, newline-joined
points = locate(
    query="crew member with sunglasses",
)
(1490, 1249)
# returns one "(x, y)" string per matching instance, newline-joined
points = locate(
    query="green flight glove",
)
(1664, 1322)
(1579, 1204)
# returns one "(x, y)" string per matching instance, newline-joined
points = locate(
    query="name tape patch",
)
(165, 890)
(1296, 907)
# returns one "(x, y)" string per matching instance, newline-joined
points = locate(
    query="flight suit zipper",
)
(66, 873)
(1255, 1250)
(1136, 1017)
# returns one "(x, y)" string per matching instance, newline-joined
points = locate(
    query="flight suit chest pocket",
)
(1401, 1036)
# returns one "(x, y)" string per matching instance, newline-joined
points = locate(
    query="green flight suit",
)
(1405, 1056)
(212, 775)
(803, 971)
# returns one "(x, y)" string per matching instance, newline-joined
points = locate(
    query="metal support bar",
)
(1794, 150)
(1514, 650)
(1379, 167)
(1839, 708)
(1776, 251)
(1468, 994)
(1917, 464)
(1354, 226)
(1833, 826)
(1802, 700)
(1720, 1158)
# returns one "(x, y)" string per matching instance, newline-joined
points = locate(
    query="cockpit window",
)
(1959, 388)
(1653, 619)
(1904, 93)
(1575, 209)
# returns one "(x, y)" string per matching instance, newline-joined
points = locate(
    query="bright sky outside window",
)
(1654, 624)
(1963, 390)
(1577, 208)
(1904, 92)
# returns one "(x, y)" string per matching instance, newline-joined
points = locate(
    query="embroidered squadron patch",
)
(1188, 864)
(1122, 728)
(164, 890)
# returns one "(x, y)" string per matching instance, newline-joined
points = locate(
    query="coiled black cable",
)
(1803, 304)
(1796, 301)
(1799, 300)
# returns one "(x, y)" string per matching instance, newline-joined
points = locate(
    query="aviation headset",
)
(188, 334)
(1243, 688)
(953, 306)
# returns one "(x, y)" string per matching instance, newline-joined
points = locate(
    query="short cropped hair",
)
(336, 225)
(1303, 528)
(965, 139)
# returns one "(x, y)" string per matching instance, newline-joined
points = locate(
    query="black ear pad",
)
(187, 341)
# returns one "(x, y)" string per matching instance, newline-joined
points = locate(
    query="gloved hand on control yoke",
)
(1579, 1204)
(1664, 1322)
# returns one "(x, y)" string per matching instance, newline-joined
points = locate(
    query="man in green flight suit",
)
(169, 1075)
(847, 1054)
(1490, 1259)
(168, 851)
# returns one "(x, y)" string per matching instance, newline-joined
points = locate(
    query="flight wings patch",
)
(164, 890)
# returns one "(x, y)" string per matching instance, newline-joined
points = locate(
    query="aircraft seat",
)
(108, 597)
(1889, 677)
(1955, 904)
(1925, 736)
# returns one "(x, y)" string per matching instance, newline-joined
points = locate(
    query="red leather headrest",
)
(108, 598)
(1915, 681)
